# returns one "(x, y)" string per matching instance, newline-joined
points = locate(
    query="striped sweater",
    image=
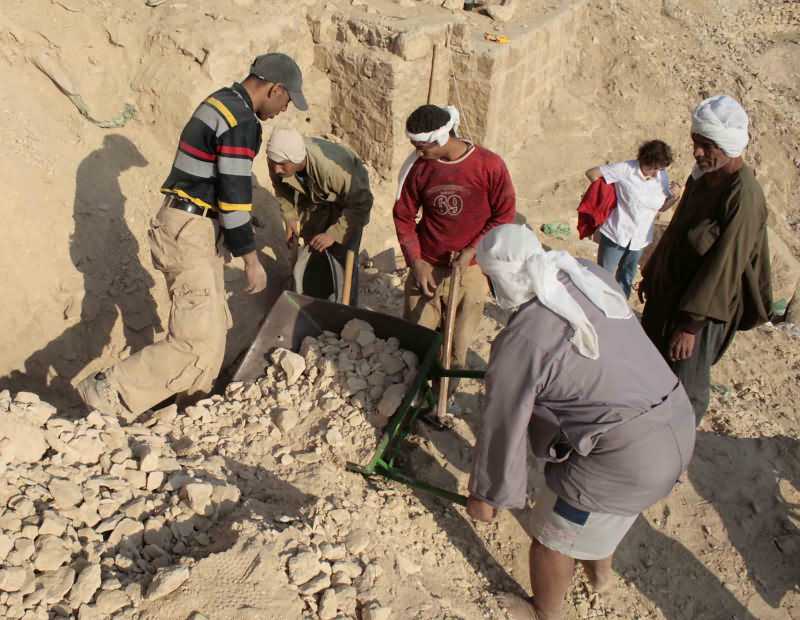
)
(214, 162)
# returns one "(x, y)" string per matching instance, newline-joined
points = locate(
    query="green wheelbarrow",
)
(293, 317)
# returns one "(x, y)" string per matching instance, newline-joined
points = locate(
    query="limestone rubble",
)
(99, 516)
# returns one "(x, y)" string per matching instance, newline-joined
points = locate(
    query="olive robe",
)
(710, 272)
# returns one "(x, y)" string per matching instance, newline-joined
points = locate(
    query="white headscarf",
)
(520, 270)
(286, 145)
(723, 120)
(440, 136)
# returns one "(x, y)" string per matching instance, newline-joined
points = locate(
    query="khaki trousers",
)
(183, 247)
(430, 312)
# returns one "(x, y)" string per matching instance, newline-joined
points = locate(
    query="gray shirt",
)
(617, 432)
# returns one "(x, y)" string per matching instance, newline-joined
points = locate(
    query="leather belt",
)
(174, 202)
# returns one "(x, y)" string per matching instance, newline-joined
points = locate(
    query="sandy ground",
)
(724, 545)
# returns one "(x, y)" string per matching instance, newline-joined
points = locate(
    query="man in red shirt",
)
(464, 191)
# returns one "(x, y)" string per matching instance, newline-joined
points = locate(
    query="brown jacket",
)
(335, 198)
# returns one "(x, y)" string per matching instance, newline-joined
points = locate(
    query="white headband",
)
(441, 135)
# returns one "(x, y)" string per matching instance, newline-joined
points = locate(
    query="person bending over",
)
(574, 375)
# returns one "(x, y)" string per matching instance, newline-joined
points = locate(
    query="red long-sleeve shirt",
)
(461, 201)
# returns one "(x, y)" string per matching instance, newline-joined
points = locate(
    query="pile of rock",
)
(95, 516)
(90, 511)
(343, 387)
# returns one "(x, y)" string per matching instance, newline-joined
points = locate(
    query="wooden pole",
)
(447, 347)
(433, 72)
(349, 264)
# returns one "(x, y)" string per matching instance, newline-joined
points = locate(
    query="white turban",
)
(286, 145)
(520, 270)
(723, 120)
(442, 134)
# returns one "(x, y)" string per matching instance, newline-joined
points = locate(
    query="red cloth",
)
(461, 201)
(596, 205)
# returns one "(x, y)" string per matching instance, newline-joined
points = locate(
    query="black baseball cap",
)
(281, 69)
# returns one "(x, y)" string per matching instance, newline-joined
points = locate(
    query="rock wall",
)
(503, 89)
(379, 71)
(381, 68)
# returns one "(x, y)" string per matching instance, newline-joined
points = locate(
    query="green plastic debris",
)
(779, 307)
(722, 390)
(559, 230)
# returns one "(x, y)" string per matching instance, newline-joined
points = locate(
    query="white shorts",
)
(574, 532)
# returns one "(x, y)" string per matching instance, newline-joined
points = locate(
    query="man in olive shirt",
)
(710, 274)
(323, 192)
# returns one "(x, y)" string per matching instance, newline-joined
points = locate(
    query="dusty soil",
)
(78, 286)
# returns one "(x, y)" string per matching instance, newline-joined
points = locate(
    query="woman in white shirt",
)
(643, 190)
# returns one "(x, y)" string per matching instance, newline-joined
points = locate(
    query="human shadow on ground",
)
(673, 578)
(457, 454)
(168, 538)
(754, 485)
(746, 480)
(106, 254)
(459, 530)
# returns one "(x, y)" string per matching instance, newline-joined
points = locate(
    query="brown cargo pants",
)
(430, 312)
(183, 247)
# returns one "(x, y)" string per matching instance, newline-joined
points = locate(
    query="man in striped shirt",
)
(208, 190)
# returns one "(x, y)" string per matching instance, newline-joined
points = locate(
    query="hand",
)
(423, 274)
(321, 242)
(464, 258)
(292, 231)
(254, 271)
(672, 198)
(681, 345)
(480, 510)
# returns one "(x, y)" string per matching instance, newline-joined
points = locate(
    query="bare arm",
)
(593, 174)
(674, 196)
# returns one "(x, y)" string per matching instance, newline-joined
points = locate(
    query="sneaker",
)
(98, 393)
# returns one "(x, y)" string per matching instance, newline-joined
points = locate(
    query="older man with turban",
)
(323, 191)
(710, 274)
(464, 191)
(574, 375)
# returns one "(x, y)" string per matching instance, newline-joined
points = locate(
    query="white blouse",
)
(638, 202)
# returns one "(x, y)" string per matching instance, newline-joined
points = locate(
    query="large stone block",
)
(20, 440)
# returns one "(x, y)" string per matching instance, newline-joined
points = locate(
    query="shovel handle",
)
(349, 264)
(447, 347)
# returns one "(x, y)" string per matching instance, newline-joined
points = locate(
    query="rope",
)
(459, 101)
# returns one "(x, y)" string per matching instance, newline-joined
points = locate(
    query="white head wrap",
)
(520, 270)
(723, 120)
(286, 145)
(441, 135)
